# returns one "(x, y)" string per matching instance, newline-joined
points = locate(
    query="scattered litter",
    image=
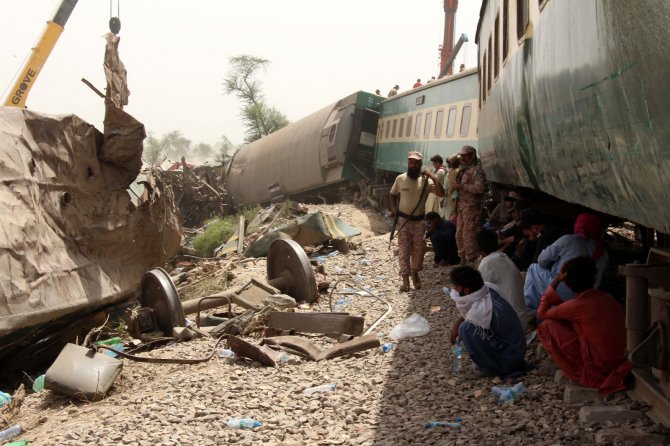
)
(446, 290)
(508, 394)
(10, 433)
(305, 306)
(415, 325)
(18, 443)
(5, 398)
(380, 277)
(225, 353)
(457, 360)
(339, 270)
(38, 384)
(365, 262)
(348, 291)
(117, 348)
(435, 309)
(453, 425)
(322, 388)
(387, 347)
(110, 341)
(243, 423)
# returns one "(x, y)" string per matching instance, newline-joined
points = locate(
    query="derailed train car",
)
(328, 148)
(574, 103)
(436, 119)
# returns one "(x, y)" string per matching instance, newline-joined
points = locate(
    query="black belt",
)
(411, 217)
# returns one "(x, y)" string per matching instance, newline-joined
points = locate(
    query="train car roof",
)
(435, 83)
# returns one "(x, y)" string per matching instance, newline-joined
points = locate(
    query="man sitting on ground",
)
(586, 336)
(489, 327)
(498, 269)
(442, 234)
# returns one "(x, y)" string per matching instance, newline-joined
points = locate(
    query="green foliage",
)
(219, 230)
(259, 118)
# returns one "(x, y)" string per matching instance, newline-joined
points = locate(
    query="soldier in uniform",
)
(470, 187)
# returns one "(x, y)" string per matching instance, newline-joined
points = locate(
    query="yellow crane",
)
(54, 28)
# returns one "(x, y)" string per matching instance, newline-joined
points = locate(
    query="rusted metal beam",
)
(317, 322)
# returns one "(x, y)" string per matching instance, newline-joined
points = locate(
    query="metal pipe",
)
(215, 300)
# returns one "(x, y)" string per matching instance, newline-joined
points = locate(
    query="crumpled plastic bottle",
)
(5, 398)
(386, 347)
(322, 388)
(242, 423)
(508, 394)
(457, 360)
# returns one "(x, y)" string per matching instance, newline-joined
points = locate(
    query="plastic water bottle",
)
(242, 423)
(10, 433)
(507, 394)
(5, 398)
(322, 388)
(225, 353)
(446, 290)
(433, 424)
(386, 347)
(283, 358)
(457, 360)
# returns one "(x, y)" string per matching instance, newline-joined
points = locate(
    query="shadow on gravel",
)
(421, 387)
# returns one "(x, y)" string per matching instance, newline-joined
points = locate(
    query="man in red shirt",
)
(586, 335)
(417, 84)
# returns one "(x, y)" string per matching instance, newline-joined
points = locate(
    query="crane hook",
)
(115, 22)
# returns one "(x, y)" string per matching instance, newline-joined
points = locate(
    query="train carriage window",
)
(495, 48)
(451, 121)
(505, 30)
(331, 135)
(395, 125)
(439, 117)
(388, 130)
(417, 125)
(484, 72)
(489, 73)
(521, 18)
(465, 119)
(426, 127)
(400, 127)
(409, 126)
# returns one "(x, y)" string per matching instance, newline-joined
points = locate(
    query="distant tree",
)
(225, 150)
(259, 119)
(153, 150)
(175, 145)
(203, 151)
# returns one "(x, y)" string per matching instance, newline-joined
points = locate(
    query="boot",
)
(416, 280)
(405, 284)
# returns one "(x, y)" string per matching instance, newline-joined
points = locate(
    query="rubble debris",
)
(196, 199)
(305, 348)
(244, 349)
(82, 373)
(309, 230)
(341, 323)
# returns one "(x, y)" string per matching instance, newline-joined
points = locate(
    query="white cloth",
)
(498, 269)
(476, 307)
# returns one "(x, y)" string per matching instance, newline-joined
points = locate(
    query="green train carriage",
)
(436, 119)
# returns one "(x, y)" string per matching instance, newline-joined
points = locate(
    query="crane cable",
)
(115, 22)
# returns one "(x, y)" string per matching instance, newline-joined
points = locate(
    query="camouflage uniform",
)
(411, 245)
(469, 207)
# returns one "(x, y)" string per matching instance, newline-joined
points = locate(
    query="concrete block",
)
(629, 436)
(590, 414)
(576, 394)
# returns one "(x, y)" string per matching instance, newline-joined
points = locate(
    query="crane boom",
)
(38, 57)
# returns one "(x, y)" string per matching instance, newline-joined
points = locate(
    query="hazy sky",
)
(176, 54)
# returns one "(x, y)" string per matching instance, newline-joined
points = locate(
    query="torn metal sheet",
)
(262, 354)
(308, 230)
(115, 72)
(317, 322)
(71, 237)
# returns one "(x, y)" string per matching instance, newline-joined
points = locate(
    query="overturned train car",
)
(328, 148)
